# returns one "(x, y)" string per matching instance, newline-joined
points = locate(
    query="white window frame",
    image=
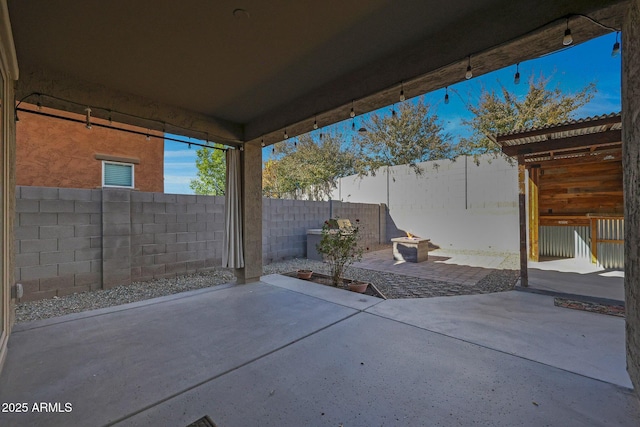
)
(133, 174)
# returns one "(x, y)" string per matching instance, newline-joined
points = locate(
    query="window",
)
(116, 174)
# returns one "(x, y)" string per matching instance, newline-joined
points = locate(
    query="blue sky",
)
(571, 69)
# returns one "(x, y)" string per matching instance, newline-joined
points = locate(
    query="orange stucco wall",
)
(52, 152)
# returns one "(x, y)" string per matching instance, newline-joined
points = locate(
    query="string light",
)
(148, 137)
(402, 98)
(469, 73)
(315, 122)
(446, 95)
(352, 114)
(88, 119)
(616, 47)
(516, 78)
(262, 142)
(242, 148)
(39, 104)
(111, 120)
(286, 135)
(567, 39)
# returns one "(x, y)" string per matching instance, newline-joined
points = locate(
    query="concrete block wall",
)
(372, 230)
(173, 234)
(456, 204)
(284, 226)
(75, 240)
(58, 241)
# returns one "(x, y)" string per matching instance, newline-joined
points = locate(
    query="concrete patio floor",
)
(577, 277)
(287, 352)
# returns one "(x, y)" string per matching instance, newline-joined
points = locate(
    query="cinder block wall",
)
(456, 204)
(58, 241)
(74, 240)
(175, 234)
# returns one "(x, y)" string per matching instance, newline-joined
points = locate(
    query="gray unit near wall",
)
(76, 240)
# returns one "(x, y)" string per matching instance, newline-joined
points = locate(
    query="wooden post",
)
(593, 223)
(522, 210)
(534, 214)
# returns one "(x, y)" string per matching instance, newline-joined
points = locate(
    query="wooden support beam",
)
(593, 224)
(522, 210)
(534, 214)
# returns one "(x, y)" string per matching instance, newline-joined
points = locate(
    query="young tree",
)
(212, 167)
(309, 167)
(412, 135)
(501, 112)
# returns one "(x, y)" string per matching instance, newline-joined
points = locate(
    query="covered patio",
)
(287, 352)
(248, 76)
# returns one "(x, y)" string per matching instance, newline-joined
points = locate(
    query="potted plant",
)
(340, 248)
(359, 287)
(304, 274)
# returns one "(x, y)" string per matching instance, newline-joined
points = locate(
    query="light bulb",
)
(516, 78)
(616, 47)
(352, 114)
(315, 124)
(286, 135)
(446, 98)
(567, 39)
(148, 138)
(402, 98)
(353, 125)
(39, 106)
(468, 74)
(262, 142)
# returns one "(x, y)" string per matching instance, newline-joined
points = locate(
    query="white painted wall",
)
(456, 204)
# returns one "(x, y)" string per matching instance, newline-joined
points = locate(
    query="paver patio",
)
(441, 266)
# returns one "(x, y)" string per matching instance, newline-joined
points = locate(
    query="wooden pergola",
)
(574, 174)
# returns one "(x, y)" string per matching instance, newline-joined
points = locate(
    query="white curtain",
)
(232, 253)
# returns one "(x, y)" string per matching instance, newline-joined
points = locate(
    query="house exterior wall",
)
(57, 153)
(76, 240)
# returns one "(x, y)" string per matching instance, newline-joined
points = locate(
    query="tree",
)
(307, 167)
(503, 111)
(211, 164)
(412, 135)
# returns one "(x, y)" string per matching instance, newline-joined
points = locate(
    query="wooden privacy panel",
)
(581, 188)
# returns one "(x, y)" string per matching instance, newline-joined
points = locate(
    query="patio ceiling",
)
(205, 69)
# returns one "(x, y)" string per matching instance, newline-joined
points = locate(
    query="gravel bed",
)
(391, 285)
(137, 291)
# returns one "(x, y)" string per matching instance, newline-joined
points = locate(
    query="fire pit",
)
(410, 248)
